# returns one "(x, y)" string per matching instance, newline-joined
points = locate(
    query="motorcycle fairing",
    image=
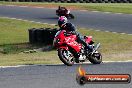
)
(88, 39)
(71, 41)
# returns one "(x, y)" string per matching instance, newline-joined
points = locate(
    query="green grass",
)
(29, 59)
(14, 40)
(14, 35)
(104, 7)
(13, 31)
(115, 8)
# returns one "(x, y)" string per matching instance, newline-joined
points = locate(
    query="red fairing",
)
(88, 39)
(60, 37)
(62, 41)
(71, 42)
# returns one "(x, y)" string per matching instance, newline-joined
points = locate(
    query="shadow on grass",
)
(21, 47)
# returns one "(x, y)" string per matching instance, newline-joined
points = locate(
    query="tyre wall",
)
(42, 35)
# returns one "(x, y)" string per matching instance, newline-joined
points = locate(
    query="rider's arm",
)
(71, 27)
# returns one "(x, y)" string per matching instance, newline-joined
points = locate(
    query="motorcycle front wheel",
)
(96, 58)
(71, 15)
(66, 57)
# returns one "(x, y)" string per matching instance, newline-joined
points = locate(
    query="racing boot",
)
(87, 47)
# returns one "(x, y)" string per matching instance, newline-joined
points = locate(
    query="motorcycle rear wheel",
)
(66, 57)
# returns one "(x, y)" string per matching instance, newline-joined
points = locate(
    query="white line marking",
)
(10, 5)
(129, 34)
(107, 12)
(39, 7)
(27, 20)
(55, 24)
(117, 61)
(102, 61)
(56, 8)
(123, 33)
(83, 10)
(114, 32)
(118, 13)
(28, 6)
(13, 66)
(23, 6)
(95, 11)
(63, 64)
(97, 30)
(107, 31)
(52, 24)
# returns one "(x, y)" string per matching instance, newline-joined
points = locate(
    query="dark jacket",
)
(69, 27)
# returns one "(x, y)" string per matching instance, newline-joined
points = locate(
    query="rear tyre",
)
(96, 58)
(66, 57)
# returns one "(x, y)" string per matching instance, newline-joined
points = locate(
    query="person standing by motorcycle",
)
(70, 28)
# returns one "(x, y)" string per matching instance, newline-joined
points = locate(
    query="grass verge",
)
(104, 7)
(14, 40)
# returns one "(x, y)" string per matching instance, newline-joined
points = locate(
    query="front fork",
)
(68, 12)
(95, 48)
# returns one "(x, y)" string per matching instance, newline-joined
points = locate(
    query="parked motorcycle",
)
(62, 11)
(70, 51)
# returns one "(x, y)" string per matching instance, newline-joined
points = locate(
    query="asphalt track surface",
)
(97, 20)
(60, 76)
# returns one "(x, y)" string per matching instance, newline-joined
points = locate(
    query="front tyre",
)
(96, 58)
(71, 15)
(66, 57)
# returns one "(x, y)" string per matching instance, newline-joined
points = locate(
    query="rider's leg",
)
(82, 40)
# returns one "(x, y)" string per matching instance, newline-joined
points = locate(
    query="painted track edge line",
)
(62, 64)
(78, 10)
(26, 20)
(55, 24)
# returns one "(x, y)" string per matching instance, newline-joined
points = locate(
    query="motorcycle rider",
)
(70, 28)
(62, 10)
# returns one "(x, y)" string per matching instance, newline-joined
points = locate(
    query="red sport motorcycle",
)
(71, 51)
